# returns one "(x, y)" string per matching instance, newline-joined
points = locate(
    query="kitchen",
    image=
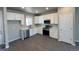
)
(24, 23)
(44, 24)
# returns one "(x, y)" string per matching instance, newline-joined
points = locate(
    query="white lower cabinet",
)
(54, 32)
(36, 30)
(40, 30)
(33, 31)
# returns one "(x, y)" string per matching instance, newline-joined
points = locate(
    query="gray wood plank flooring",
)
(40, 43)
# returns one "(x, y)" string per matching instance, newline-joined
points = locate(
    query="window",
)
(28, 21)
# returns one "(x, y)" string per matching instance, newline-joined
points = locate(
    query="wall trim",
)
(14, 39)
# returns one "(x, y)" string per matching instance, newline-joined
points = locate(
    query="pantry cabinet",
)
(66, 24)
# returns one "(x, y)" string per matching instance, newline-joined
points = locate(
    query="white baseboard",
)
(14, 39)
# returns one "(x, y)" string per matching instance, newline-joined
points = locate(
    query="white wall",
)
(13, 30)
(77, 24)
(1, 28)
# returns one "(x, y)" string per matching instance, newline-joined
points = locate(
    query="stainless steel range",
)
(47, 27)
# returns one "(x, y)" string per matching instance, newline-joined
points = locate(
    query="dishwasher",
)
(24, 34)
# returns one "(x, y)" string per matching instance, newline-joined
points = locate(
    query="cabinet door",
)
(36, 19)
(48, 16)
(33, 32)
(40, 30)
(45, 17)
(52, 32)
(41, 20)
(22, 16)
(11, 16)
(56, 18)
(55, 30)
(52, 18)
(19, 16)
(66, 25)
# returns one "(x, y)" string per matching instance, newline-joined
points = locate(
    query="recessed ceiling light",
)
(47, 8)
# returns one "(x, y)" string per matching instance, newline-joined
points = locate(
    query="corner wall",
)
(77, 24)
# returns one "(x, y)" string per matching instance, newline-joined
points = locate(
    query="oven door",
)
(45, 32)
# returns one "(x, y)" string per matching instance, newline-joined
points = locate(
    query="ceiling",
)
(34, 10)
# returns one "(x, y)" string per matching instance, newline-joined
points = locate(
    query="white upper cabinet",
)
(38, 20)
(41, 20)
(52, 17)
(19, 16)
(11, 16)
(14, 16)
(52, 21)
(46, 17)
(56, 18)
